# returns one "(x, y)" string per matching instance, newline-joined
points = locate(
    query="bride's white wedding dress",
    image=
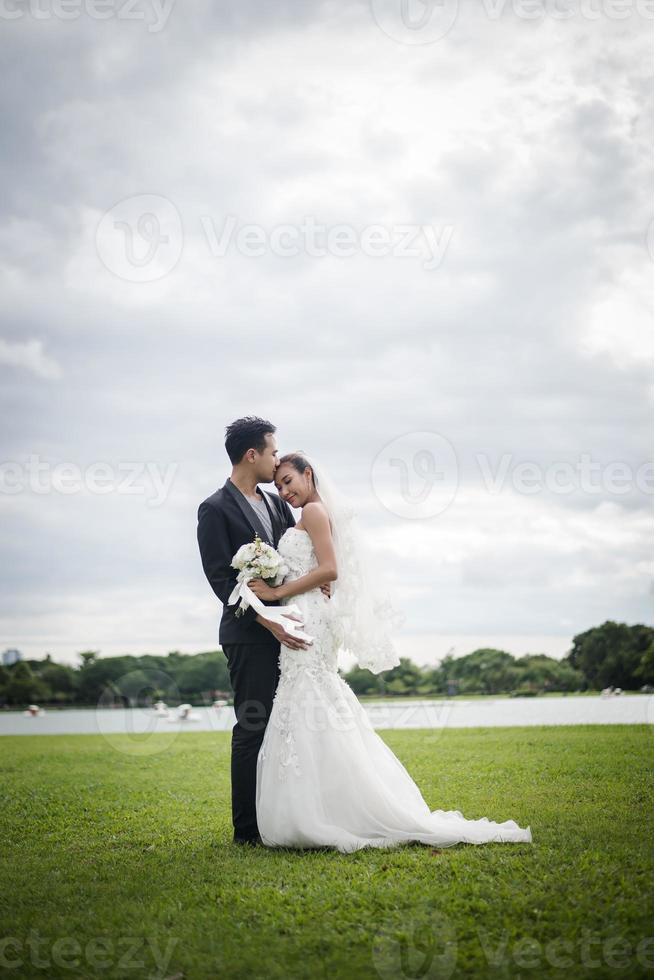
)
(325, 778)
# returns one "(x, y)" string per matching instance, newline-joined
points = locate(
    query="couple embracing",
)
(307, 768)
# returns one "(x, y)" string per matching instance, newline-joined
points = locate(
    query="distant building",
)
(10, 657)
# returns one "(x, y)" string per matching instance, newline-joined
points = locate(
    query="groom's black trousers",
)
(254, 674)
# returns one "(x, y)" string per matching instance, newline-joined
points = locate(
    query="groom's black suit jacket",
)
(225, 522)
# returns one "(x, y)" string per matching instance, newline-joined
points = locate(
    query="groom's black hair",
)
(246, 433)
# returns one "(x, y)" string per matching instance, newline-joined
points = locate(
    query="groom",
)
(227, 519)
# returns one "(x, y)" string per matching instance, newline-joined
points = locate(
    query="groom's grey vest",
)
(260, 508)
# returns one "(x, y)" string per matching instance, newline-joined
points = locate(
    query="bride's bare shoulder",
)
(314, 513)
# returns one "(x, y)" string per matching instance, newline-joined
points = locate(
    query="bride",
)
(324, 776)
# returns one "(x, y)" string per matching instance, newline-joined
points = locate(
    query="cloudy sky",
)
(416, 237)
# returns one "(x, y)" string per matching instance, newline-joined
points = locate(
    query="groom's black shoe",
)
(252, 841)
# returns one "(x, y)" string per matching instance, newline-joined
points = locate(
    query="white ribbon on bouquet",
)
(278, 614)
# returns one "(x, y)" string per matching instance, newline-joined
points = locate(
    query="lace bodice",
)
(296, 548)
(318, 664)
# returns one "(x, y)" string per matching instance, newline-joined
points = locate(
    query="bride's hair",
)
(299, 462)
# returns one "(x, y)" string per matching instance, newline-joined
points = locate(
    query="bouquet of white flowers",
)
(260, 560)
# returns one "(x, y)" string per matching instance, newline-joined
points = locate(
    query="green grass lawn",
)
(117, 861)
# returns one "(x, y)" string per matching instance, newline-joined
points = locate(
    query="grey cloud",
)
(343, 354)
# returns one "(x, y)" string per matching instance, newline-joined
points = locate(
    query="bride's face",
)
(293, 487)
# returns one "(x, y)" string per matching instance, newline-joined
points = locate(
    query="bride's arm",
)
(316, 523)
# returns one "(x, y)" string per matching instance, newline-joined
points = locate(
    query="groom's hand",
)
(280, 633)
(326, 589)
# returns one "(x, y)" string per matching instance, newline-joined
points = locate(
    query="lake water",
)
(488, 712)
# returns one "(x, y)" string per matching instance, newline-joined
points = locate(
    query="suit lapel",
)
(275, 519)
(248, 512)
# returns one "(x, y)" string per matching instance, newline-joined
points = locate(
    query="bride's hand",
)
(261, 589)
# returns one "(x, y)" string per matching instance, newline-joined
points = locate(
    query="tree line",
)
(613, 654)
